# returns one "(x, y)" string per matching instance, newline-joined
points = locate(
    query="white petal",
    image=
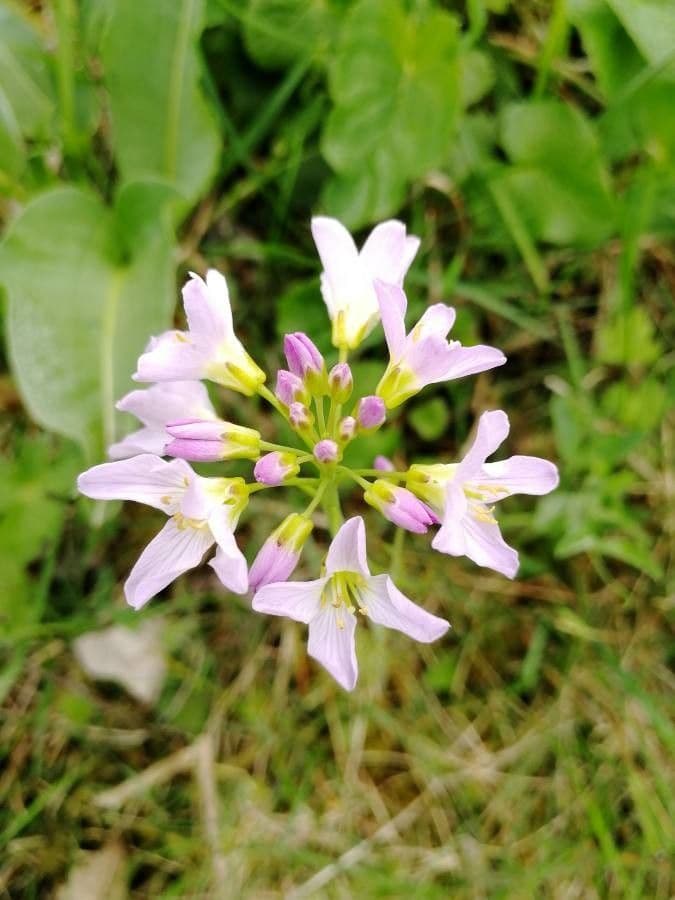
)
(486, 547)
(347, 552)
(520, 475)
(339, 258)
(144, 479)
(202, 497)
(173, 356)
(331, 642)
(384, 250)
(450, 537)
(168, 402)
(493, 428)
(437, 319)
(229, 562)
(173, 551)
(207, 307)
(145, 440)
(299, 600)
(386, 605)
(393, 304)
(471, 360)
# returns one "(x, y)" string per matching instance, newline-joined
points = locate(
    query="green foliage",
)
(79, 312)
(394, 82)
(162, 126)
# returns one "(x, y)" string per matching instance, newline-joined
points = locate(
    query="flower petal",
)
(386, 253)
(493, 427)
(344, 276)
(450, 536)
(173, 356)
(331, 642)
(168, 402)
(520, 475)
(299, 600)
(393, 305)
(471, 360)
(144, 479)
(429, 359)
(347, 552)
(145, 440)
(386, 605)
(486, 547)
(173, 551)
(437, 319)
(229, 563)
(207, 307)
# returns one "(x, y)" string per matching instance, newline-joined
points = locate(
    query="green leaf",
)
(430, 419)
(628, 338)
(651, 24)
(558, 180)
(78, 316)
(613, 54)
(277, 32)
(24, 74)
(162, 125)
(12, 147)
(641, 405)
(477, 76)
(395, 83)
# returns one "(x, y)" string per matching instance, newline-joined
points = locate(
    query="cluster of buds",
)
(323, 409)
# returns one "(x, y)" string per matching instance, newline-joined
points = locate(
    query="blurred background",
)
(193, 750)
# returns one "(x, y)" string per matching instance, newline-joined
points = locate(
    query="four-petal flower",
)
(327, 605)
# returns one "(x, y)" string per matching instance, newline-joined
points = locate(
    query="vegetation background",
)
(532, 146)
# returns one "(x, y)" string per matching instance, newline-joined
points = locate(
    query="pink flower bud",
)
(280, 553)
(340, 382)
(326, 451)
(371, 412)
(347, 428)
(290, 387)
(400, 506)
(302, 355)
(209, 440)
(274, 468)
(384, 464)
(300, 416)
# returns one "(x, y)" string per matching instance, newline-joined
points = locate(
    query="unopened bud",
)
(400, 506)
(371, 413)
(280, 553)
(274, 468)
(340, 382)
(209, 440)
(347, 428)
(384, 464)
(290, 387)
(300, 416)
(326, 451)
(305, 361)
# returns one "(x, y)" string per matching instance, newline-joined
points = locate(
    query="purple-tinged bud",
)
(290, 387)
(280, 553)
(371, 413)
(326, 451)
(347, 428)
(305, 361)
(300, 416)
(274, 468)
(340, 382)
(209, 440)
(400, 506)
(384, 464)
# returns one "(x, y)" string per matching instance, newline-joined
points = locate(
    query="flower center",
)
(343, 590)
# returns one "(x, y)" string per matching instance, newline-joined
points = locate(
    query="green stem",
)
(350, 473)
(320, 491)
(381, 473)
(331, 505)
(267, 394)
(318, 403)
(282, 448)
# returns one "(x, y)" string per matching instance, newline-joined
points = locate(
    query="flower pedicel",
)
(317, 402)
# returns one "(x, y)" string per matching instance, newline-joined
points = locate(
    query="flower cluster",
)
(360, 288)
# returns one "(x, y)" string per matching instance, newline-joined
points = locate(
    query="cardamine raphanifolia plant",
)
(360, 288)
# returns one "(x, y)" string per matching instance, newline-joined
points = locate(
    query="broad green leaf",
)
(78, 315)
(24, 74)
(558, 180)
(395, 83)
(162, 125)
(12, 147)
(277, 32)
(614, 56)
(628, 338)
(651, 24)
(477, 76)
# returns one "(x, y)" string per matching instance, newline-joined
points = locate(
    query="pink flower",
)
(280, 553)
(202, 511)
(424, 356)
(209, 349)
(326, 451)
(289, 388)
(155, 406)
(348, 275)
(371, 413)
(463, 494)
(327, 605)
